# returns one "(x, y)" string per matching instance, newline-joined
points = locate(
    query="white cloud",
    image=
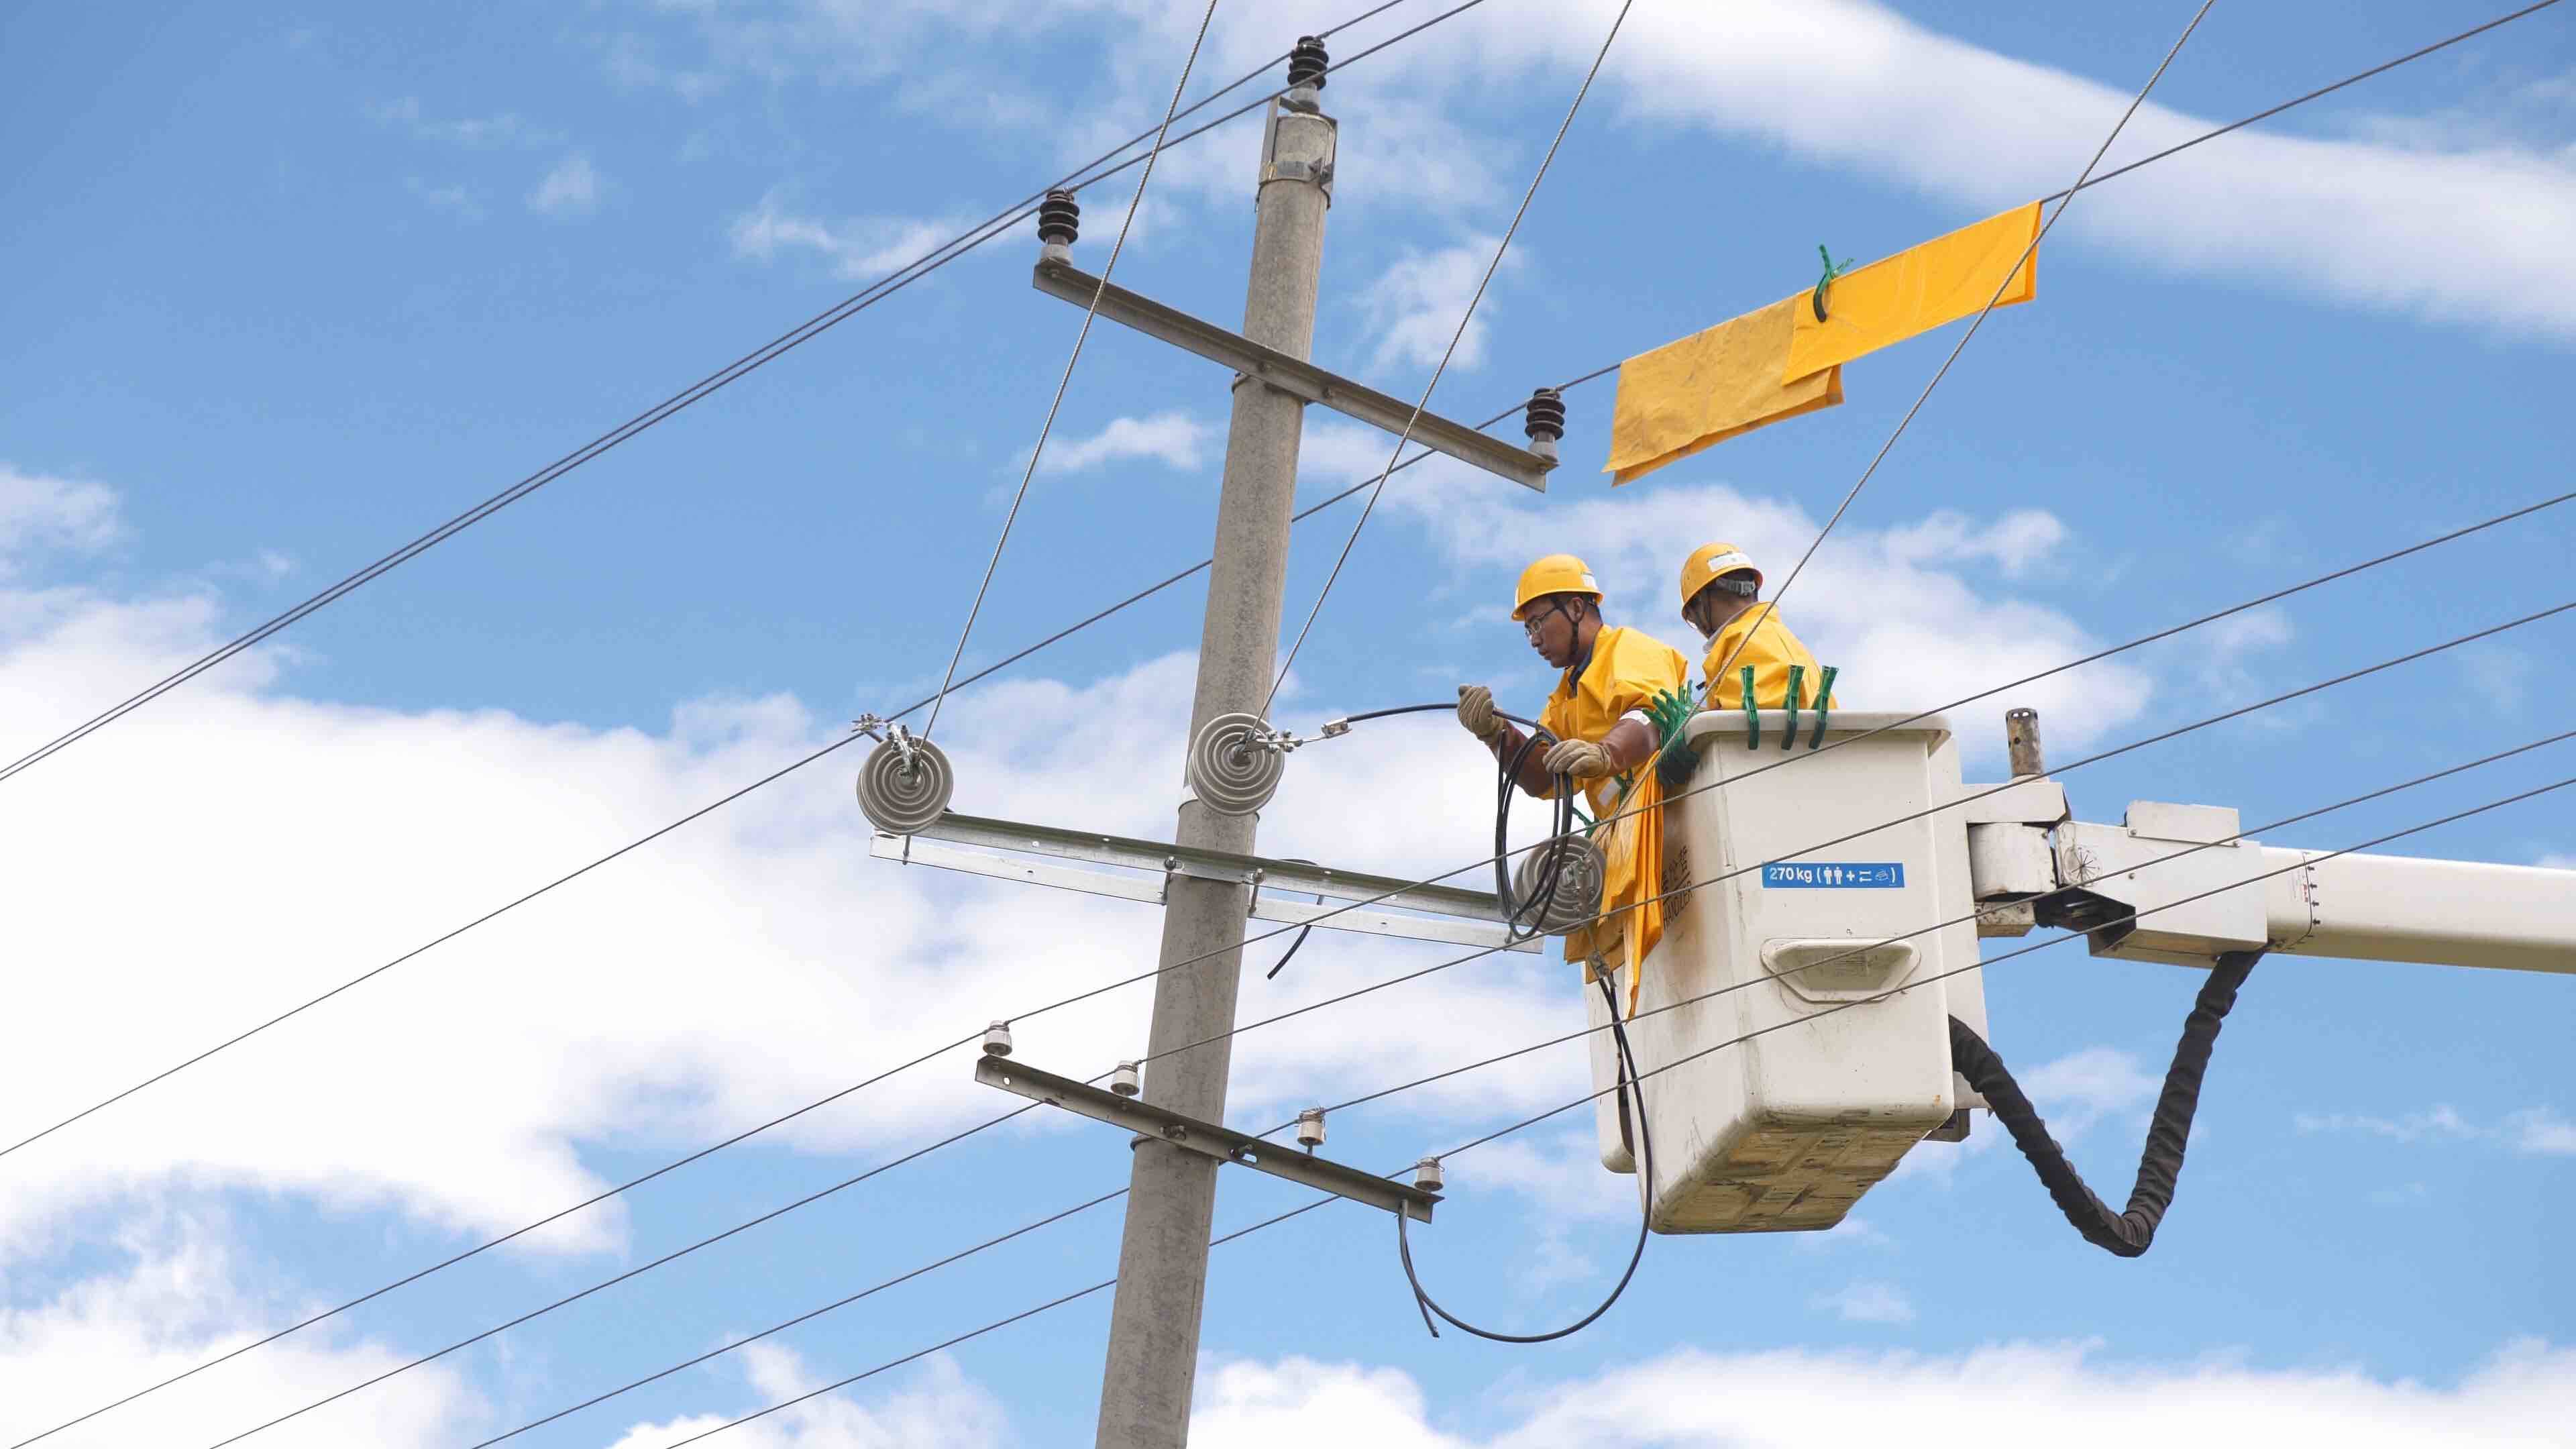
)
(938, 1407)
(571, 189)
(2500, 673)
(384, 822)
(2536, 1131)
(2448, 229)
(1869, 1302)
(858, 247)
(177, 1298)
(2539, 1131)
(2008, 1396)
(2450, 236)
(2556, 861)
(456, 199)
(41, 513)
(475, 132)
(2078, 1090)
(1418, 302)
(1176, 440)
(1909, 627)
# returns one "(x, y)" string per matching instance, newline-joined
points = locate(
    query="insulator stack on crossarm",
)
(1059, 223)
(1544, 420)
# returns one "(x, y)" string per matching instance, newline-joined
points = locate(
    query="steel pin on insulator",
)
(1310, 1128)
(997, 1039)
(1426, 1175)
(1124, 1081)
(1308, 65)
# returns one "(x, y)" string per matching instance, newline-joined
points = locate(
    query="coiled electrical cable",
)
(1628, 1085)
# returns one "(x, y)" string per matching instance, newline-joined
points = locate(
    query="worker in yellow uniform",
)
(1605, 738)
(1720, 587)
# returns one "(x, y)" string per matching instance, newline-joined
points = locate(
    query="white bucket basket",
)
(1784, 1130)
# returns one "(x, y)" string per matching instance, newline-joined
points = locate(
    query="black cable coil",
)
(2125, 1234)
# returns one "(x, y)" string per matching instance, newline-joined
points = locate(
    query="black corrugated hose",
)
(2126, 1234)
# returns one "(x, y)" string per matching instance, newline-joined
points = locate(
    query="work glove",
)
(1579, 759)
(1476, 711)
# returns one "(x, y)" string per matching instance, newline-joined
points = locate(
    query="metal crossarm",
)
(1222, 1143)
(1294, 376)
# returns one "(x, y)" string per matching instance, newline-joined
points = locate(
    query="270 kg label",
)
(1863, 875)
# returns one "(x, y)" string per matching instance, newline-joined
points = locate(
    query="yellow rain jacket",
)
(1770, 648)
(1627, 669)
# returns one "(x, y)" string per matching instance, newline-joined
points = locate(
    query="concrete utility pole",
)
(1163, 1255)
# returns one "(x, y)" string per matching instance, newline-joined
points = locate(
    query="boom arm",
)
(2142, 891)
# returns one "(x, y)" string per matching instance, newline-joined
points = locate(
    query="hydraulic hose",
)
(1628, 1085)
(2124, 1234)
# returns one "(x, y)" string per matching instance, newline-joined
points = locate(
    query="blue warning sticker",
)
(1863, 875)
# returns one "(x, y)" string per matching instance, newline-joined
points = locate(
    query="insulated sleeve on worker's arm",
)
(1628, 669)
(1756, 639)
(1708, 387)
(1914, 291)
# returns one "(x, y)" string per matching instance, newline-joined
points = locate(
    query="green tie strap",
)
(1752, 713)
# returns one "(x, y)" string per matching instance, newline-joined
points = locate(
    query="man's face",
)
(1549, 627)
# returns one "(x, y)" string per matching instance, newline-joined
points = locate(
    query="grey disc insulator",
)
(1231, 771)
(1577, 865)
(902, 799)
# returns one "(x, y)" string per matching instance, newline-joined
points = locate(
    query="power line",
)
(859, 302)
(821, 322)
(671, 1256)
(838, 1384)
(1138, 597)
(2304, 815)
(807, 1317)
(1770, 606)
(1501, 249)
(1153, 589)
(1532, 1121)
(953, 1045)
(1089, 313)
(2236, 713)
(2331, 576)
(2302, 864)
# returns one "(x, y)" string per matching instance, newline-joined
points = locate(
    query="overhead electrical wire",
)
(1467, 316)
(2549, 502)
(1011, 218)
(1528, 1122)
(941, 1050)
(821, 322)
(953, 1138)
(1090, 313)
(911, 272)
(1770, 607)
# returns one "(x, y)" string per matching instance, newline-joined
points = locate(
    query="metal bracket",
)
(1292, 375)
(1151, 890)
(1222, 1143)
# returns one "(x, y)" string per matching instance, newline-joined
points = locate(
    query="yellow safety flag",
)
(1914, 291)
(1709, 387)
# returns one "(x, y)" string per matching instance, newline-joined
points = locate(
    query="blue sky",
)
(288, 288)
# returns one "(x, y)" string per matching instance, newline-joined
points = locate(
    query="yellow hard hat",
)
(1558, 573)
(1710, 560)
